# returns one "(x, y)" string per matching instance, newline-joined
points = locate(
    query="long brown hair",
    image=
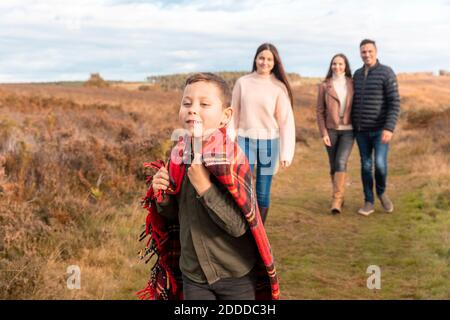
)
(348, 72)
(278, 68)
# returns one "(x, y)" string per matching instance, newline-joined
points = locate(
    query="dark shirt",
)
(215, 239)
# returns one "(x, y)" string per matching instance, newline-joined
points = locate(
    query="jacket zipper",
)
(362, 99)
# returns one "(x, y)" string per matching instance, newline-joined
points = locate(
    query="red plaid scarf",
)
(226, 161)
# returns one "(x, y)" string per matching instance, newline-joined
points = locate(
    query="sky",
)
(56, 40)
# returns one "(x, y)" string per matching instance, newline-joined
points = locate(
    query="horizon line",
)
(425, 72)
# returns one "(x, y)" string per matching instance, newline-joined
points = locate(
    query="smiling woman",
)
(333, 109)
(263, 116)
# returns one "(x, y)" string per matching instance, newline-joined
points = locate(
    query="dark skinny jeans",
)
(341, 147)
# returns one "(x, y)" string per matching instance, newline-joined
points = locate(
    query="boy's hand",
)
(161, 182)
(199, 175)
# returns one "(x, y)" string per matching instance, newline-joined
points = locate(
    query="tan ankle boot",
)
(338, 195)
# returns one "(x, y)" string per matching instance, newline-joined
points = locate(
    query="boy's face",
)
(201, 110)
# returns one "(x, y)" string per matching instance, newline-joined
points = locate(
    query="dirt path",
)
(321, 256)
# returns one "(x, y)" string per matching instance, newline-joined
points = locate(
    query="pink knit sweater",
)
(262, 110)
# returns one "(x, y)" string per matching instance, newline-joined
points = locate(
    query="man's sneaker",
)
(387, 204)
(367, 209)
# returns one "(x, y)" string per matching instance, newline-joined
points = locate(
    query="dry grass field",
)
(71, 180)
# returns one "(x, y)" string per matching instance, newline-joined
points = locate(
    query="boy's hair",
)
(214, 79)
(367, 41)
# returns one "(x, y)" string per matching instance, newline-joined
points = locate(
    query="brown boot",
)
(332, 189)
(263, 212)
(338, 195)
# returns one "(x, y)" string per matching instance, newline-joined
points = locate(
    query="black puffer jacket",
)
(376, 101)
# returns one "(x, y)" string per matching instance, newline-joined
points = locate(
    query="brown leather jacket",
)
(328, 106)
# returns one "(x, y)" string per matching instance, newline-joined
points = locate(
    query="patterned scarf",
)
(225, 160)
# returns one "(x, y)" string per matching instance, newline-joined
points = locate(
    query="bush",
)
(144, 88)
(96, 81)
(425, 118)
(61, 163)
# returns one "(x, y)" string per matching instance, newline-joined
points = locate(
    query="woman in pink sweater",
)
(263, 118)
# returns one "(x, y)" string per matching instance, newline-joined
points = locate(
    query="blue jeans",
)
(265, 154)
(339, 152)
(369, 144)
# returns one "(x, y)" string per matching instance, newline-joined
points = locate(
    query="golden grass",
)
(71, 179)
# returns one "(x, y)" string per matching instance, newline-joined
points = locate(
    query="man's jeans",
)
(369, 144)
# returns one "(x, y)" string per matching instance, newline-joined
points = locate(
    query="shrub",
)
(96, 81)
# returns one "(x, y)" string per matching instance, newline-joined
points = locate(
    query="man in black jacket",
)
(376, 107)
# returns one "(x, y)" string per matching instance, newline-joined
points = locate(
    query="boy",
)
(210, 193)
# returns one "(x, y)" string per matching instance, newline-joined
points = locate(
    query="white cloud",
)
(185, 54)
(185, 67)
(129, 39)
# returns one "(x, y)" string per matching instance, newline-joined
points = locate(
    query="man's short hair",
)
(367, 41)
(214, 79)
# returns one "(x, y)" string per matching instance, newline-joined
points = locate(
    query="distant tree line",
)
(176, 81)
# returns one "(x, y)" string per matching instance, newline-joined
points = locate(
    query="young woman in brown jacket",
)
(334, 103)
